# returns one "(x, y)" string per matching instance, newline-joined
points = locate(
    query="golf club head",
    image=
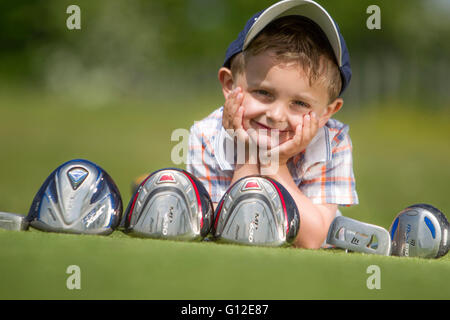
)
(169, 204)
(420, 230)
(354, 235)
(137, 182)
(256, 210)
(78, 197)
(13, 221)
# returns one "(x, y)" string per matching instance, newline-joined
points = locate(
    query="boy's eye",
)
(263, 95)
(262, 92)
(301, 104)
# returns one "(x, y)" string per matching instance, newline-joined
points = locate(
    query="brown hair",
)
(299, 39)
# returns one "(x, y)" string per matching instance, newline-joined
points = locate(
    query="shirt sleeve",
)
(333, 181)
(201, 162)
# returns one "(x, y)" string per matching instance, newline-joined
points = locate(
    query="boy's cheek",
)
(251, 107)
(294, 121)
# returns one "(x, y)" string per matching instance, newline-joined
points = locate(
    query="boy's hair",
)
(298, 39)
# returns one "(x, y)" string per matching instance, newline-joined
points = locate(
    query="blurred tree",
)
(142, 47)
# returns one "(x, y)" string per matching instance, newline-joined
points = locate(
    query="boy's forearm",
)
(243, 170)
(240, 171)
(314, 224)
(250, 167)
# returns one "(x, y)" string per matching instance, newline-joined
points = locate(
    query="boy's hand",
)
(305, 131)
(233, 113)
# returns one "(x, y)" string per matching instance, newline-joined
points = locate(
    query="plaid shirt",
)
(323, 171)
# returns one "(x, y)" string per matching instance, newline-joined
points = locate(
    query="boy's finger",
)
(292, 145)
(306, 132)
(294, 121)
(314, 123)
(230, 98)
(231, 93)
(297, 139)
(238, 96)
(237, 104)
(286, 149)
(234, 102)
(237, 119)
(238, 126)
(229, 108)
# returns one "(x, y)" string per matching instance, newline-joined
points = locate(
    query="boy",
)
(283, 77)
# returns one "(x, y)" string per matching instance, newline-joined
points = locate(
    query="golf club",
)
(170, 204)
(13, 221)
(78, 197)
(420, 230)
(354, 235)
(256, 210)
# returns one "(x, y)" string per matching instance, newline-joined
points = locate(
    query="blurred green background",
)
(114, 91)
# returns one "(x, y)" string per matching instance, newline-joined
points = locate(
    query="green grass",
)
(401, 157)
(121, 267)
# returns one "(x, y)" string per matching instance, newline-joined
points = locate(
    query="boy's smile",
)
(276, 98)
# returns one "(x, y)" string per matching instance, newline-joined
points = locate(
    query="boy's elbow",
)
(314, 245)
(313, 240)
(309, 245)
(315, 234)
(314, 227)
(309, 242)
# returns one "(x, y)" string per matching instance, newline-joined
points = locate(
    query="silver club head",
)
(420, 230)
(169, 204)
(354, 235)
(256, 210)
(78, 197)
(13, 221)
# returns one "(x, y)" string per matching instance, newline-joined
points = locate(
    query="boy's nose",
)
(276, 114)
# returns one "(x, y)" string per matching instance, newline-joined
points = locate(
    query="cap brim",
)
(304, 8)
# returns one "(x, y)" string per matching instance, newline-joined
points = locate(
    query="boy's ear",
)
(330, 110)
(226, 80)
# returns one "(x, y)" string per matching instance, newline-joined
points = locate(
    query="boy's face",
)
(276, 97)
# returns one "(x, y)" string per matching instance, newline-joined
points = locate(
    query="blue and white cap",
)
(306, 8)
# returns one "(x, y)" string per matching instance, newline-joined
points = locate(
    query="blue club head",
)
(78, 197)
(420, 230)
